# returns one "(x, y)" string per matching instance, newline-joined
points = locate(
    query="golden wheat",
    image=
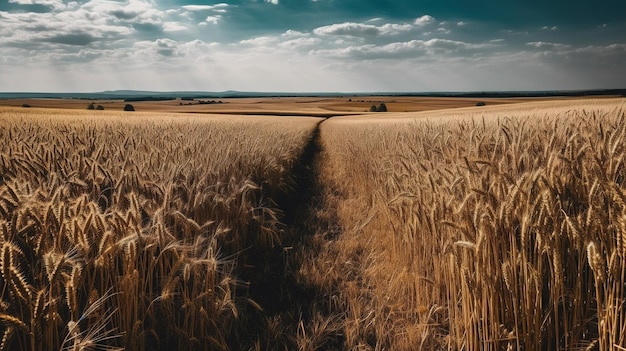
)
(131, 233)
(515, 214)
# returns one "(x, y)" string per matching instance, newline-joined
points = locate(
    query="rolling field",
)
(478, 228)
(494, 229)
(300, 106)
(138, 231)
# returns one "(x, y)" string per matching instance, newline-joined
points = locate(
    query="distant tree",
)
(100, 107)
(481, 103)
(91, 106)
(380, 108)
(25, 105)
(129, 107)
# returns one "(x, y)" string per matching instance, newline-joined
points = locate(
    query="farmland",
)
(465, 229)
(497, 227)
(129, 231)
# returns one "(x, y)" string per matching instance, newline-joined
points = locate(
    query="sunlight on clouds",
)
(259, 41)
(299, 42)
(220, 8)
(253, 45)
(211, 20)
(424, 20)
(173, 27)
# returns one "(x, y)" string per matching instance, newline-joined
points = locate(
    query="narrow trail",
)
(274, 283)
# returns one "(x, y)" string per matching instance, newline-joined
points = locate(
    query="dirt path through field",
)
(277, 283)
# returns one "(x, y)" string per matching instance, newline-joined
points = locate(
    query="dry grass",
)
(500, 228)
(135, 231)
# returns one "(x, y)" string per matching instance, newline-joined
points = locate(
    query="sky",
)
(311, 45)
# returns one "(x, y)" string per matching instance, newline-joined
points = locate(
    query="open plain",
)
(256, 224)
(305, 106)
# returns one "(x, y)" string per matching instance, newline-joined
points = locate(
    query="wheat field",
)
(493, 228)
(134, 232)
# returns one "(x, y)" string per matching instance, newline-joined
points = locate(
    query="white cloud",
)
(74, 28)
(221, 7)
(55, 4)
(133, 11)
(274, 2)
(392, 28)
(299, 42)
(173, 27)
(362, 29)
(553, 28)
(424, 20)
(547, 45)
(399, 50)
(294, 34)
(212, 19)
(258, 41)
(348, 28)
(166, 51)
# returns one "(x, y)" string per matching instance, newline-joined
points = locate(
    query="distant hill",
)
(160, 95)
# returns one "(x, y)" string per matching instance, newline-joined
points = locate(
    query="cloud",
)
(348, 28)
(361, 29)
(166, 47)
(401, 50)
(211, 19)
(54, 4)
(293, 34)
(221, 7)
(173, 27)
(72, 28)
(299, 42)
(392, 28)
(147, 39)
(130, 11)
(424, 20)
(258, 41)
(80, 39)
(547, 45)
(165, 51)
(124, 15)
